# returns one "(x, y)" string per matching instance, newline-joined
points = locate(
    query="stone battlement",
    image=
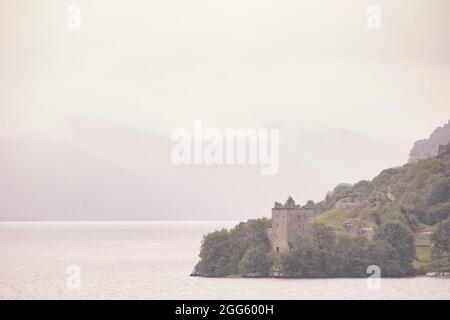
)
(291, 224)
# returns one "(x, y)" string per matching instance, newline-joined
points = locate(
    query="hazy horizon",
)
(86, 115)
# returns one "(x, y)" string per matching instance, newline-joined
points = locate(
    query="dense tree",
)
(340, 191)
(215, 254)
(324, 238)
(400, 238)
(244, 250)
(222, 251)
(302, 261)
(439, 212)
(246, 235)
(256, 262)
(350, 257)
(441, 236)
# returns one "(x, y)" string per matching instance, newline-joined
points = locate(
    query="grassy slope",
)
(336, 217)
(423, 244)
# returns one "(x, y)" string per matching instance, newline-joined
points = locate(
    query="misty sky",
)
(86, 115)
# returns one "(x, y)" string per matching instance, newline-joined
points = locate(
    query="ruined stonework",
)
(354, 228)
(350, 202)
(291, 224)
(358, 200)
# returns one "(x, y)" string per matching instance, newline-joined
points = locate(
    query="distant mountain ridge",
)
(426, 148)
(100, 171)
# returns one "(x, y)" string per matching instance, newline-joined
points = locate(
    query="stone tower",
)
(291, 224)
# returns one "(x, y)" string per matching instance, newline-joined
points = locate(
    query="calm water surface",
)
(153, 260)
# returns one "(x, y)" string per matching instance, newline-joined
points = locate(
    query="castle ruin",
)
(291, 224)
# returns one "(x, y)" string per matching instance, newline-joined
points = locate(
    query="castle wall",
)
(289, 227)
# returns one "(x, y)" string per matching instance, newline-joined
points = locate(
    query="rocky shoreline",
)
(438, 274)
(197, 273)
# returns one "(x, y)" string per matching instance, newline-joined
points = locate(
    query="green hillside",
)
(398, 221)
(421, 190)
(421, 200)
